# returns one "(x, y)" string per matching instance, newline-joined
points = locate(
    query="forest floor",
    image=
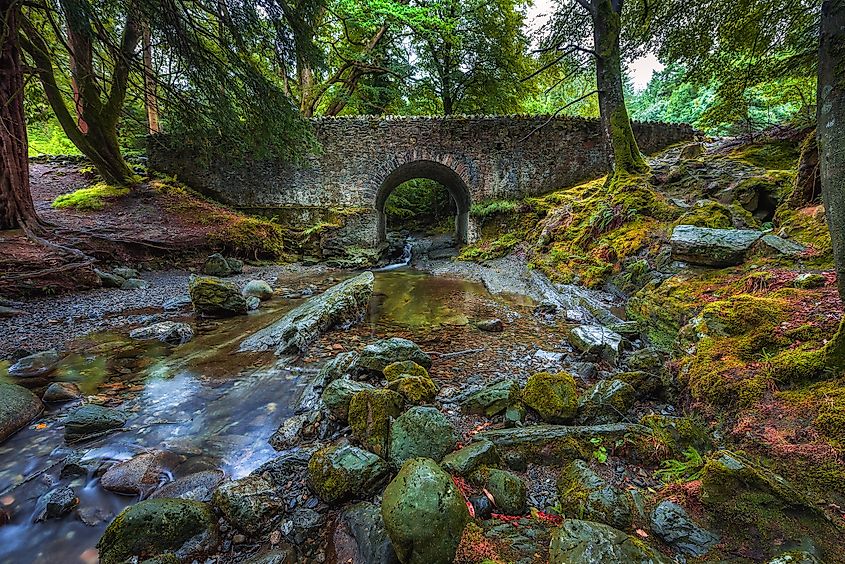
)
(156, 224)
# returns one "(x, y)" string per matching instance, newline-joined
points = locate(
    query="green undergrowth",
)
(92, 198)
(769, 154)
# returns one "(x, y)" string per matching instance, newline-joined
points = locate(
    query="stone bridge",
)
(363, 159)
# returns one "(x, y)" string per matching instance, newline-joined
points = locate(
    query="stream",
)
(216, 409)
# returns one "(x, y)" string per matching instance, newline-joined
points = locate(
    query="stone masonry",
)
(362, 159)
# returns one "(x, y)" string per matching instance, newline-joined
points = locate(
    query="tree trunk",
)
(16, 207)
(150, 97)
(831, 128)
(623, 153)
(807, 185)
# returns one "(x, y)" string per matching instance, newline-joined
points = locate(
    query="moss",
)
(825, 403)
(662, 308)
(487, 250)
(90, 199)
(707, 213)
(553, 396)
(508, 490)
(405, 367)
(250, 236)
(369, 417)
(677, 434)
(769, 154)
(808, 227)
(415, 389)
(493, 207)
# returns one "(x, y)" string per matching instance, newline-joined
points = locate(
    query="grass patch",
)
(493, 207)
(91, 198)
(47, 138)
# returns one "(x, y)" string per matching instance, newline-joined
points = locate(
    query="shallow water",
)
(214, 408)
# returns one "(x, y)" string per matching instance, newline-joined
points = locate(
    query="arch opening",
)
(429, 170)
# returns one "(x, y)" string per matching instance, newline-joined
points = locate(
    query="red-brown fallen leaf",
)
(641, 533)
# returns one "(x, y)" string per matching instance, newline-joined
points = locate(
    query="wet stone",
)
(552, 396)
(421, 432)
(218, 265)
(493, 399)
(360, 536)
(249, 504)
(585, 542)
(18, 406)
(168, 332)
(607, 401)
(466, 460)
(257, 289)
(377, 356)
(92, 421)
(177, 303)
(34, 365)
(597, 340)
(196, 487)
(339, 393)
(139, 475)
(55, 504)
(583, 493)
(490, 325)
(59, 392)
(215, 298)
(340, 472)
(673, 525)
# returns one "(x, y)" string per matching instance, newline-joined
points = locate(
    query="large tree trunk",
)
(16, 207)
(623, 153)
(807, 186)
(150, 97)
(831, 127)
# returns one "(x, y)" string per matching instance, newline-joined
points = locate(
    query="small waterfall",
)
(404, 260)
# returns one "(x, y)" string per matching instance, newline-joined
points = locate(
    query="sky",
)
(640, 70)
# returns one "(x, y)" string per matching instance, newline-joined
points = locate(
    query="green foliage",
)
(685, 470)
(89, 199)
(489, 250)
(47, 138)
(493, 207)
(599, 451)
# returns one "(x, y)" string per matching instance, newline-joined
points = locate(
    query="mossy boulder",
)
(677, 434)
(585, 542)
(468, 459)
(404, 368)
(370, 413)
(583, 494)
(809, 280)
(509, 491)
(421, 432)
(341, 472)
(90, 421)
(597, 340)
(18, 406)
(35, 365)
(645, 384)
(377, 356)
(249, 504)
(707, 213)
(552, 396)
(675, 527)
(424, 513)
(220, 266)
(607, 401)
(213, 297)
(415, 389)
(492, 399)
(338, 395)
(160, 528)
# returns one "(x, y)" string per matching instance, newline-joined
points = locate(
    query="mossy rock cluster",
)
(553, 396)
(160, 528)
(215, 298)
(582, 494)
(411, 380)
(370, 413)
(341, 472)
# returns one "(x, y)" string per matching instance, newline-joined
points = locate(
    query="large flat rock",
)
(342, 304)
(712, 247)
(18, 406)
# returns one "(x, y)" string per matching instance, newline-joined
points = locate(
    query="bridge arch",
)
(431, 170)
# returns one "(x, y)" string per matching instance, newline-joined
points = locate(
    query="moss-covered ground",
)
(756, 355)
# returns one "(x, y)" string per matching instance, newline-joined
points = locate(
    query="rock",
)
(177, 303)
(341, 472)
(421, 432)
(552, 396)
(607, 401)
(184, 529)
(491, 325)
(55, 504)
(59, 392)
(712, 247)
(168, 332)
(424, 513)
(141, 474)
(295, 430)
(284, 554)
(508, 490)
(584, 494)
(134, 284)
(558, 444)
(585, 542)
(125, 272)
(343, 304)
(249, 504)
(34, 365)
(468, 459)
(197, 487)
(800, 557)
(645, 384)
(360, 536)
(252, 303)
(648, 360)
(90, 421)
(678, 434)
(377, 356)
(515, 414)
(304, 524)
(218, 265)
(257, 289)
(369, 417)
(597, 340)
(213, 297)
(109, 280)
(691, 151)
(808, 281)
(673, 525)
(772, 245)
(493, 399)
(339, 393)
(411, 380)
(18, 406)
